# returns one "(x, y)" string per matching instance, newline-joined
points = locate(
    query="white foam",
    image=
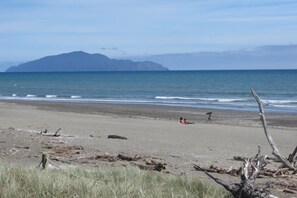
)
(183, 98)
(202, 99)
(173, 97)
(13, 95)
(30, 96)
(284, 106)
(279, 101)
(231, 100)
(51, 96)
(75, 96)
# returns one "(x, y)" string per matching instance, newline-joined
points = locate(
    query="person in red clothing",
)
(187, 122)
(184, 121)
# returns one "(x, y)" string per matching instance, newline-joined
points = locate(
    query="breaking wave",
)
(202, 99)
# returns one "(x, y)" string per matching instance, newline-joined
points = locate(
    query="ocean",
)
(206, 89)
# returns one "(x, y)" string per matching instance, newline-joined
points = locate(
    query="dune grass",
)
(126, 182)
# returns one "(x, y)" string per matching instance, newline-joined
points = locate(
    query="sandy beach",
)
(152, 131)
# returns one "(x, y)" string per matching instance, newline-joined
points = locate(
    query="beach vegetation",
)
(121, 182)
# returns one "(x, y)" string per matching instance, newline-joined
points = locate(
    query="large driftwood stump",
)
(249, 172)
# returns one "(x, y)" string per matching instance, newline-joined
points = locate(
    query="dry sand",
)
(152, 131)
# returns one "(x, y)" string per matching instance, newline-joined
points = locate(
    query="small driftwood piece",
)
(56, 133)
(275, 152)
(14, 151)
(158, 167)
(239, 158)
(43, 161)
(126, 157)
(213, 169)
(117, 137)
(95, 136)
(287, 190)
(45, 131)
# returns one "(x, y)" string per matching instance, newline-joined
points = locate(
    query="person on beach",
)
(181, 120)
(209, 116)
(184, 121)
(187, 122)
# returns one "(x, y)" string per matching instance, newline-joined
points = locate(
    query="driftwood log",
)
(213, 169)
(117, 137)
(53, 135)
(126, 157)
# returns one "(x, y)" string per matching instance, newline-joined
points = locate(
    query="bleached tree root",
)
(247, 187)
(275, 150)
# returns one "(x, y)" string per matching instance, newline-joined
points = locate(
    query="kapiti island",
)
(84, 62)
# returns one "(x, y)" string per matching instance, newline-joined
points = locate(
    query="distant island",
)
(84, 62)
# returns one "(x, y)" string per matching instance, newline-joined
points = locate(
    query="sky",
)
(31, 29)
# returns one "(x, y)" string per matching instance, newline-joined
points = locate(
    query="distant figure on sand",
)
(184, 121)
(209, 116)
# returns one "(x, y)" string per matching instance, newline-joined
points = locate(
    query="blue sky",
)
(31, 29)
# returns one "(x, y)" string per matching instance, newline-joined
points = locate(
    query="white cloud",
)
(143, 26)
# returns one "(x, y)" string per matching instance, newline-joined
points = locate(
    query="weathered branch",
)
(268, 136)
(259, 163)
(259, 152)
(292, 155)
(125, 157)
(228, 187)
(56, 134)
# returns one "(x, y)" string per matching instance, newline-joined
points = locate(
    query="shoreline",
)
(166, 112)
(219, 107)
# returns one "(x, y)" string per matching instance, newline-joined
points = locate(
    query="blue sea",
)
(206, 89)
